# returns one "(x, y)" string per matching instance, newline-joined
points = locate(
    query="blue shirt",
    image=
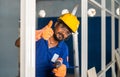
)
(44, 54)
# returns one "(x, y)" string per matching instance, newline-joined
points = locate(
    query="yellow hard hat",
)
(70, 20)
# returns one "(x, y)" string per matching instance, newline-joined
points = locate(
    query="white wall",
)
(9, 16)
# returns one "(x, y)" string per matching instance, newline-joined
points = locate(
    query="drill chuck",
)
(58, 62)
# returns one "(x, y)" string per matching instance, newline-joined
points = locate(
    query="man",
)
(50, 44)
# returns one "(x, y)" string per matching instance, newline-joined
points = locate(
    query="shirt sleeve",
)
(65, 56)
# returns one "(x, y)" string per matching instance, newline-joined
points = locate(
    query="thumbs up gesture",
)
(46, 32)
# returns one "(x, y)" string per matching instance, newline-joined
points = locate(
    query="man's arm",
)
(45, 33)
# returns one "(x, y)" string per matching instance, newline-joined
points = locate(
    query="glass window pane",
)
(108, 4)
(108, 42)
(99, 1)
(116, 9)
(54, 8)
(94, 39)
(116, 32)
(108, 38)
(51, 10)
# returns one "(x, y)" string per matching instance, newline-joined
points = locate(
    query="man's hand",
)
(45, 33)
(61, 71)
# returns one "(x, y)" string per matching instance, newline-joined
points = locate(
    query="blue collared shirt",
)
(44, 54)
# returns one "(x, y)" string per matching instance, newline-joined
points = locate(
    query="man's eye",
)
(68, 32)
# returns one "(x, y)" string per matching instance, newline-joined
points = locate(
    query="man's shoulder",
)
(63, 44)
(40, 41)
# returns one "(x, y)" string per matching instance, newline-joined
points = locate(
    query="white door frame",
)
(27, 35)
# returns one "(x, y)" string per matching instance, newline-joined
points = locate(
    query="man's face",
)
(61, 31)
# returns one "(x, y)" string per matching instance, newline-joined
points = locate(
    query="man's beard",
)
(58, 38)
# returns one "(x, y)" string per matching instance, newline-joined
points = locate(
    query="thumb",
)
(50, 24)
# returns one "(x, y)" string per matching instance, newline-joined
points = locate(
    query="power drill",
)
(58, 62)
